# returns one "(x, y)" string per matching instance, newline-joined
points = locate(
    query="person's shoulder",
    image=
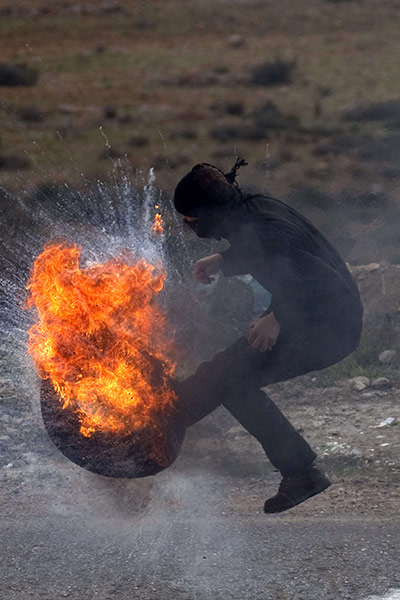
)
(264, 203)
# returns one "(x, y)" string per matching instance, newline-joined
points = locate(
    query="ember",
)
(157, 226)
(102, 345)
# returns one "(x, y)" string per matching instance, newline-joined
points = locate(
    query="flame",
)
(101, 339)
(157, 226)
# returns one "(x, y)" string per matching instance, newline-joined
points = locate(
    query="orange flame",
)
(157, 226)
(98, 338)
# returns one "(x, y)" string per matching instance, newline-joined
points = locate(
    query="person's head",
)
(205, 197)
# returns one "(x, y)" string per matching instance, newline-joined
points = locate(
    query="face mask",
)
(206, 227)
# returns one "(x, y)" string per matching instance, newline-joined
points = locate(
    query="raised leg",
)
(233, 378)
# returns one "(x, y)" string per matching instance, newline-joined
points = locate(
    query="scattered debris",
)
(359, 383)
(334, 448)
(389, 422)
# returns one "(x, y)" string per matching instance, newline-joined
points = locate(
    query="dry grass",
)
(345, 53)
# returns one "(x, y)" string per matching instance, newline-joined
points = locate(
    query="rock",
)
(236, 41)
(359, 383)
(371, 267)
(379, 288)
(387, 357)
(381, 382)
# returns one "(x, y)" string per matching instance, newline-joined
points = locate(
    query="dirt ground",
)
(197, 530)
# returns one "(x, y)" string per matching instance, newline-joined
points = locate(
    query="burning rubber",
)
(102, 347)
(130, 456)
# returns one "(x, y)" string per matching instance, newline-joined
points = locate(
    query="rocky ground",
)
(197, 530)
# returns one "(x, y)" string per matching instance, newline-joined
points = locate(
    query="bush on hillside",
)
(388, 112)
(21, 74)
(275, 72)
(268, 116)
(14, 162)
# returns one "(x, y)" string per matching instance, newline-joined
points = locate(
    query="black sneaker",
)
(296, 489)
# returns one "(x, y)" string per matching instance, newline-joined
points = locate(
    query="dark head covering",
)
(209, 194)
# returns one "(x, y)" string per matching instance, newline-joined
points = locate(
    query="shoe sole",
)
(321, 488)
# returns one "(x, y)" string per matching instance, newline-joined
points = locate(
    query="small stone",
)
(236, 41)
(9, 466)
(387, 356)
(381, 382)
(371, 267)
(359, 383)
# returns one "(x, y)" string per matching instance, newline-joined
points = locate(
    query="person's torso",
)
(294, 261)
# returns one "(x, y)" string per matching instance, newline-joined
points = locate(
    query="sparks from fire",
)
(157, 226)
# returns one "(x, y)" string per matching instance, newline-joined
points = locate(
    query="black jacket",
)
(313, 293)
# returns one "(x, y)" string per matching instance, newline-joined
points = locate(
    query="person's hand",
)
(263, 333)
(205, 267)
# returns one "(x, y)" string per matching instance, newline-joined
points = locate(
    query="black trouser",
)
(234, 377)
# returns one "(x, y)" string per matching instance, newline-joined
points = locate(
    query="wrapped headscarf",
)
(209, 194)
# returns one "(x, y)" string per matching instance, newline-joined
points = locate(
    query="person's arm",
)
(206, 267)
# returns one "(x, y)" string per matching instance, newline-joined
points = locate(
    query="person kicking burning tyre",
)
(313, 321)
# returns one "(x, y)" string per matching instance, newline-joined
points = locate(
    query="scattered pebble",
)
(236, 41)
(389, 422)
(359, 383)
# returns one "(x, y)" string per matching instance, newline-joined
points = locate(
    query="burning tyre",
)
(132, 455)
(103, 348)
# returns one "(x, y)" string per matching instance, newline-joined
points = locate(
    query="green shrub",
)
(273, 72)
(21, 74)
